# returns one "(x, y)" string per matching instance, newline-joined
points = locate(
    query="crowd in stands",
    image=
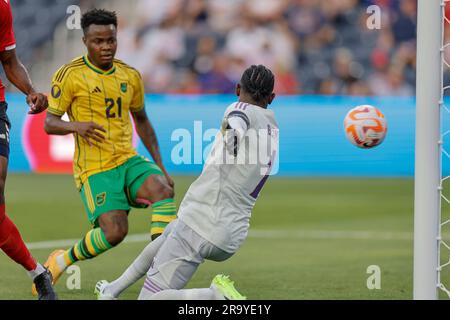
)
(313, 46)
(202, 46)
(35, 22)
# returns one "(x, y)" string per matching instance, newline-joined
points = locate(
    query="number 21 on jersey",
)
(113, 108)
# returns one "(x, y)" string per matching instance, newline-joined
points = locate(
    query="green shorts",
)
(116, 189)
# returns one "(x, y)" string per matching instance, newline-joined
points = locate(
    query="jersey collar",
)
(96, 69)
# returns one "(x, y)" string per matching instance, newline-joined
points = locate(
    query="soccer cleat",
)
(99, 291)
(43, 285)
(52, 267)
(225, 287)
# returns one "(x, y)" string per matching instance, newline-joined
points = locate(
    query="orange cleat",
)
(52, 267)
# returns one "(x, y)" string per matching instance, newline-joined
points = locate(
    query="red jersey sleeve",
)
(7, 40)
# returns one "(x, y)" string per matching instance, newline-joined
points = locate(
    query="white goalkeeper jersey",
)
(218, 204)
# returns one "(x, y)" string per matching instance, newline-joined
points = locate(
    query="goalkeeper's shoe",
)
(225, 287)
(99, 291)
(53, 268)
(43, 285)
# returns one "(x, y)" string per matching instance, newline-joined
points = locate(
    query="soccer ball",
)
(365, 126)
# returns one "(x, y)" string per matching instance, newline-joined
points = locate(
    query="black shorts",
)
(5, 125)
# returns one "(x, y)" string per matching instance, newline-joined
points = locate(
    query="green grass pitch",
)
(309, 239)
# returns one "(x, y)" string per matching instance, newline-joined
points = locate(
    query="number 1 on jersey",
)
(263, 181)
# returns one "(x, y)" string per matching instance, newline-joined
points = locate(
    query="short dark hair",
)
(258, 81)
(98, 16)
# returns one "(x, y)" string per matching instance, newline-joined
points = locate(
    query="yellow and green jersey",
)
(87, 93)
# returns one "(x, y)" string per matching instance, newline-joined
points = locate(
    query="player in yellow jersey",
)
(100, 95)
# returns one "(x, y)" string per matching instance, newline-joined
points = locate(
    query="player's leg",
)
(11, 241)
(176, 262)
(12, 244)
(147, 185)
(140, 266)
(173, 266)
(156, 190)
(112, 229)
(107, 207)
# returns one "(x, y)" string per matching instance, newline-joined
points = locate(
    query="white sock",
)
(183, 294)
(137, 269)
(61, 262)
(34, 273)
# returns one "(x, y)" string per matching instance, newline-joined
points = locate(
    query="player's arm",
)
(88, 130)
(60, 100)
(142, 123)
(147, 134)
(237, 124)
(18, 75)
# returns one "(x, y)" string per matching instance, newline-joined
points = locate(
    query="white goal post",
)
(428, 153)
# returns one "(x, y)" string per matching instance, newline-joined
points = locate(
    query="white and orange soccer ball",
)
(365, 126)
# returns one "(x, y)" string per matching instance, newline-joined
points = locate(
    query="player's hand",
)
(38, 102)
(90, 131)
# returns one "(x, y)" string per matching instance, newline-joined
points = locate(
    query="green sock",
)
(164, 212)
(93, 244)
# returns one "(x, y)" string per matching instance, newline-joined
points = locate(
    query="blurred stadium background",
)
(313, 46)
(332, 211)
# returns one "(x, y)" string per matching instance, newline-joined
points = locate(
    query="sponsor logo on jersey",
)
(96, 90)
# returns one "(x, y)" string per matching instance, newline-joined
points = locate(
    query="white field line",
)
(259, 234)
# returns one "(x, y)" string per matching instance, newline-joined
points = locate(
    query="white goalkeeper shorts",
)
(178, 258)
